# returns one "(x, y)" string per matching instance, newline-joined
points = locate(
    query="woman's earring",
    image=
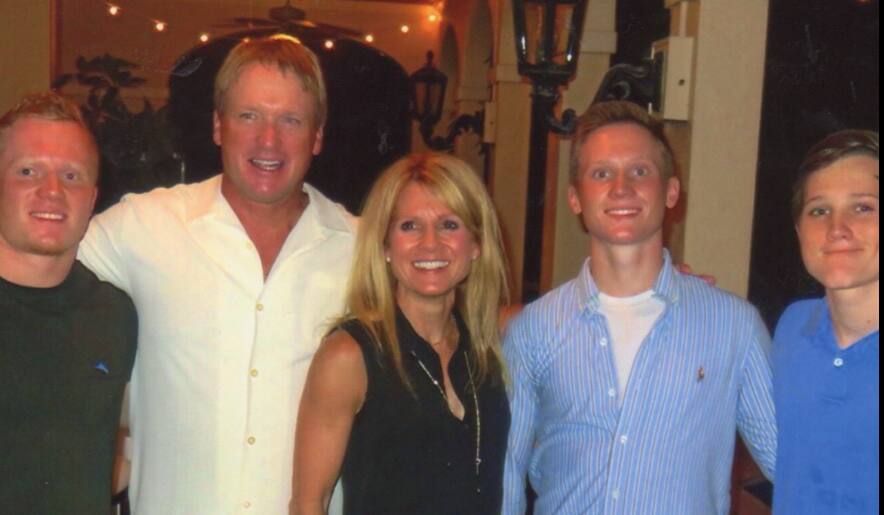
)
(387, 259)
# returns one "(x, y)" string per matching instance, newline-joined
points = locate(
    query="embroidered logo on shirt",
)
(101, 366)
(701, 374)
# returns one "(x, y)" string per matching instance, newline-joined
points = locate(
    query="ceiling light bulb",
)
(113, 10)
(369, 38)
(204, 37)
(159, 26)
(433, 17)
(405, 29)
(329, 44)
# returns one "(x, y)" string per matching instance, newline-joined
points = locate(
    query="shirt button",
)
(615, 494)
(612, 392)
(251, 440)
(246, 505)
(603, 342)
(838, 362)
(253, 372)
(259, 307)
(623, 439)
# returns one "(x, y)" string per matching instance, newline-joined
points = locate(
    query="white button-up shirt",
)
(223, 353)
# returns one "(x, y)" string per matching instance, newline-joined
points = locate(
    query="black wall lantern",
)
(427, 98)
(548, 34)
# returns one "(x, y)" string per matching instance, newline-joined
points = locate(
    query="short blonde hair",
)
(603, 114)
(284, 52)
(47, 105)
(371, 291)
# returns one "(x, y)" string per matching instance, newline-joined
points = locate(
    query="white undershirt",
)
(630, 319)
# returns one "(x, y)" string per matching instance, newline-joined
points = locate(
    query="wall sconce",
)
(428, 86)
(548, 36)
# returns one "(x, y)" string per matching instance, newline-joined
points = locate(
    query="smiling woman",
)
(405, 400)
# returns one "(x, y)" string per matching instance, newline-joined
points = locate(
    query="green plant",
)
(139, 151)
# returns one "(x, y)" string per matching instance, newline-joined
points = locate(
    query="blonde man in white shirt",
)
(233, 279)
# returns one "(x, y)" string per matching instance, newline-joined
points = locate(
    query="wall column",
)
(718, 146)
(511, 131)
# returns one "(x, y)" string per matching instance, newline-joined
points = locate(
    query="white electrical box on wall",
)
(677, 53)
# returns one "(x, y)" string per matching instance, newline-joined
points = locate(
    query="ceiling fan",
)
(289, 17)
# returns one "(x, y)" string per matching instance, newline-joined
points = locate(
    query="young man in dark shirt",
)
(67, 340)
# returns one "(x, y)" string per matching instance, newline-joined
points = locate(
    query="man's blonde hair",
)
(603, 114)
(284, 52)
(47, 105)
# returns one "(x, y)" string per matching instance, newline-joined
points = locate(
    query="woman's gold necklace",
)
(438, 386)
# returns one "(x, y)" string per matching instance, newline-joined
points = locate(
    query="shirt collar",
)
(818, 323)
(411, 341)
(667, 286)
(321, 213)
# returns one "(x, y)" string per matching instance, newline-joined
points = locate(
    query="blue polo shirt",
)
(827, 411)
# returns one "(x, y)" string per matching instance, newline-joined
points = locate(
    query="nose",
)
(429, 239)
(621, 185)
(268, 135)
(839, 228)
(50, 186)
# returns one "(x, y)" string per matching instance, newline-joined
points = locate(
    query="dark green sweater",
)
(66, 354)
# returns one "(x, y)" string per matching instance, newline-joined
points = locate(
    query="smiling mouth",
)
(268, 165)
(624, 211)
(430, 265)
(48, 216)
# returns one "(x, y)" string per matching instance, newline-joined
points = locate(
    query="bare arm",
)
(333, 394)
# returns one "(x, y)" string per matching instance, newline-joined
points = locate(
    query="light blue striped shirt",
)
(701, 373)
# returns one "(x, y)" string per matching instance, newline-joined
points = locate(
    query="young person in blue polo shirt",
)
(826, 350)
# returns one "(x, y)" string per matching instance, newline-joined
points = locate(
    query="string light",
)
(113, 10)
(329, 44)
(369, 38)
(204, 37)
(404, 29)
(159, 26)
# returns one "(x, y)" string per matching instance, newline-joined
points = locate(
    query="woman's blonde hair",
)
(371, 297)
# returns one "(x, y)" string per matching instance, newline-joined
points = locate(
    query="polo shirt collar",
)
(667, 286)
(818, 323)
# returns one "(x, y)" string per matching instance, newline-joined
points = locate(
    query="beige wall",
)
(26, 49)
(511, 135)
(718, 146)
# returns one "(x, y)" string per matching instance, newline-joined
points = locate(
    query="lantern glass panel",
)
(419, 90)
(434, 100)
(548, 31)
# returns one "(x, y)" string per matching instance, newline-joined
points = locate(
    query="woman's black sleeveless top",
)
(407, 454)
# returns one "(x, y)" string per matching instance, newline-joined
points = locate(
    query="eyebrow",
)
(851, 195)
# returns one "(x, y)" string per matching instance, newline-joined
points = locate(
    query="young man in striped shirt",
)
(630, 381)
